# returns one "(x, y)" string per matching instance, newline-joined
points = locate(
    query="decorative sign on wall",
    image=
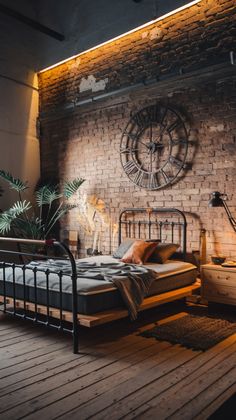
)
(154, 147)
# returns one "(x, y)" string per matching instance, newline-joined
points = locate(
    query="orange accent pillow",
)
(139, 252)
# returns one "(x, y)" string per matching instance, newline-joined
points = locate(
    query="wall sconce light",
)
(219, 200)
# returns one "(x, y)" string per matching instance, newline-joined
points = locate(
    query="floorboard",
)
(118, 373)
(223, 402)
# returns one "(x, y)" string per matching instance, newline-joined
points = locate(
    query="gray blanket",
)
(132, 281)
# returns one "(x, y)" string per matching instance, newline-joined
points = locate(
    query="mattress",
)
(93, 295)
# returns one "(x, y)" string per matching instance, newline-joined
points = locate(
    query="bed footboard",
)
(22, 301)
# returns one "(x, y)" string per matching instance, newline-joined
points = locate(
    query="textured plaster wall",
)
(19, 145)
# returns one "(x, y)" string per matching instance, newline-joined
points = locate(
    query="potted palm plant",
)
(37, 220)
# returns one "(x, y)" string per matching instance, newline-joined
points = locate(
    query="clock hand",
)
(146, 158)
(139, 141)
(162, 130)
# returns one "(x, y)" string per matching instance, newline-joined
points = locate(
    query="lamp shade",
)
(216, 200)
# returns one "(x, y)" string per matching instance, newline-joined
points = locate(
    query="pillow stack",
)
(137, 251)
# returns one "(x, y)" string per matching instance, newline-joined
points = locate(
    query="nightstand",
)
(218, 284)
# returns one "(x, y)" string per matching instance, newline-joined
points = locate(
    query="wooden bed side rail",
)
(110, 315)
(148, 303)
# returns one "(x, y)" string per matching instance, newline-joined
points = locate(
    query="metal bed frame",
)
(56, 317)
(145, 228)
(25, 310)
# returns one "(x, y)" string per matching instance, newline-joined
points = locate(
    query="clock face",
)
(154, 147)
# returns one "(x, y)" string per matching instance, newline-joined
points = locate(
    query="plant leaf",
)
(20, 207)
(58, 215)
(61, 212)
(30, 229)
(71, 187)
(68, 207)
(15, 183)
(47, 194)
(8, 216)
(5, 223)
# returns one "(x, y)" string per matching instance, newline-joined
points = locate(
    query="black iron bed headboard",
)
(154, 223)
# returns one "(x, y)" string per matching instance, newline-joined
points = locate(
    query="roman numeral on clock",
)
(176, 142)
(139, 177)
(140, 119)
(165, 176)
(132, 136)
(153, 113)
(153, 181)
(176, 162)
(130, 167)
(128, 150)
(163, 117)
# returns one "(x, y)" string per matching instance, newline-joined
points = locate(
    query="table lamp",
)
(219, 200)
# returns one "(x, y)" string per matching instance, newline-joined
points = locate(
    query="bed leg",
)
(75, 341)
(75, 331)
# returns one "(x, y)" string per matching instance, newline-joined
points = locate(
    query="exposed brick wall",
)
(201, 34)
(86, 142)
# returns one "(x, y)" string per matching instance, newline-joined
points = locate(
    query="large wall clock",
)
(154, 147)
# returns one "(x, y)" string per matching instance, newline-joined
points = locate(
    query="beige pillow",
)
(139, 252)
(163, 252)
(123, 247)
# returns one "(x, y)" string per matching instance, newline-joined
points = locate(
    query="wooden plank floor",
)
(118, 374)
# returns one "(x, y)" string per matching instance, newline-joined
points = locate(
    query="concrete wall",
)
(18, 102)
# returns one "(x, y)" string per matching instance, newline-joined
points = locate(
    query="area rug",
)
(193, 331)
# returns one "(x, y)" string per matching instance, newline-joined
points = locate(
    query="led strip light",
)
(192, 3)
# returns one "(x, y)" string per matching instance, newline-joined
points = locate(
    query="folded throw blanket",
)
(133, 281)
(133, 288)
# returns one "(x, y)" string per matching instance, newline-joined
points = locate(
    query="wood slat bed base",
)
(106, 316)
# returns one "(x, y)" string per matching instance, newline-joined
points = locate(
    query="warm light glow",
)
(124, 34)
